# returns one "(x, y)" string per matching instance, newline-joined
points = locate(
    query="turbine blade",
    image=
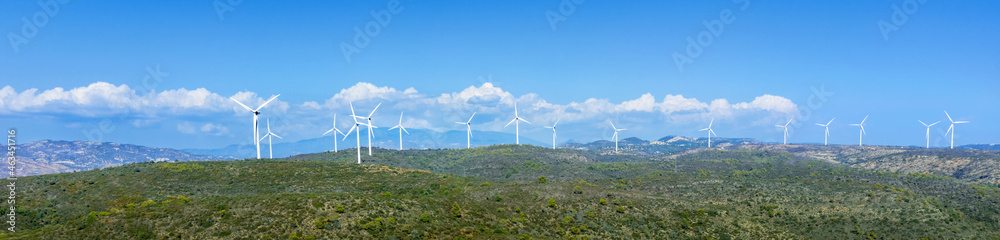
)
(950, 128)
(404, 130)
(712, 132)
(863, 130)
(394, 127)
(376, 108)
(710, 123)
(546, 127)
(349, 132)
(820, 124)
(241, 104)
(704, 129)
(460, 122)
(922, 122)
(400, 118)
(863, 120)
(557, 122)
(612, 125)
(470, 118)
(352, 111)
(275, 135)
(781, 126)
(328, 131)
(932, 124)
(338, 131)
(526, 121)
(831, 121)
(623, 129)
(789, 121)
(511, 121)
(949, 116)
(266, 102)
(961, 122)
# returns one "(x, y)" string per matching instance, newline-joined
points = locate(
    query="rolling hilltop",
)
(507, 192)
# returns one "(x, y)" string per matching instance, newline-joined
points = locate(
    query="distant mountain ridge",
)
(48, 156)
(417, 139)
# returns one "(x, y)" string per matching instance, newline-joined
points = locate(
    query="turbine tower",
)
(827, 126)
(862, 133)
(270, 151)
(357, 131)
(370, 126)
(256, 112)
(517, 129)
(785, 138)
(710, 132)
(615, 136)
(928, 131)
(951, 128)
(468, 131)
(553, 127)
(401, 130)
(336, 131)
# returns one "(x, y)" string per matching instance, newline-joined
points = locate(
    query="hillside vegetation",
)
(505, 192)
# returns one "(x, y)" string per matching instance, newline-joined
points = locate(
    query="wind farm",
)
(128, 120)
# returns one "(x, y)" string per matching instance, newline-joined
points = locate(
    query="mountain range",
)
(48, 156)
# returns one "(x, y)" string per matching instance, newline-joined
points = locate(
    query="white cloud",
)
(194, 109)
(105, 99)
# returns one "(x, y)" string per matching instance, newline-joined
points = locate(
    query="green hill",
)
(734, 194)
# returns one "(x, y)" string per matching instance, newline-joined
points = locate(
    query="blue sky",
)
(595, 64)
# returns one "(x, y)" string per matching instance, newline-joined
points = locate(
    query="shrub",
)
(339, 208)
(498, 198)
(541, 179)
(386, 194)
(552, 203)
(574, 230)
(604, 202)
(456, 210)
(485, 184)
(620, 209)
(425, 217)
(577, 190)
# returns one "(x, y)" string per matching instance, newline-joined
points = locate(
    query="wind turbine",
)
(827, 126)
(862, 133)
(270, 151)
(517, 129)
(615, 136)
(929, 131)
(710, 132)
(785, 138)
(256, 112)
(468, 129)
(951, 128)
(553, 127)
(357, 131)
(335, 133)
(370, 126)
(401, 130)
